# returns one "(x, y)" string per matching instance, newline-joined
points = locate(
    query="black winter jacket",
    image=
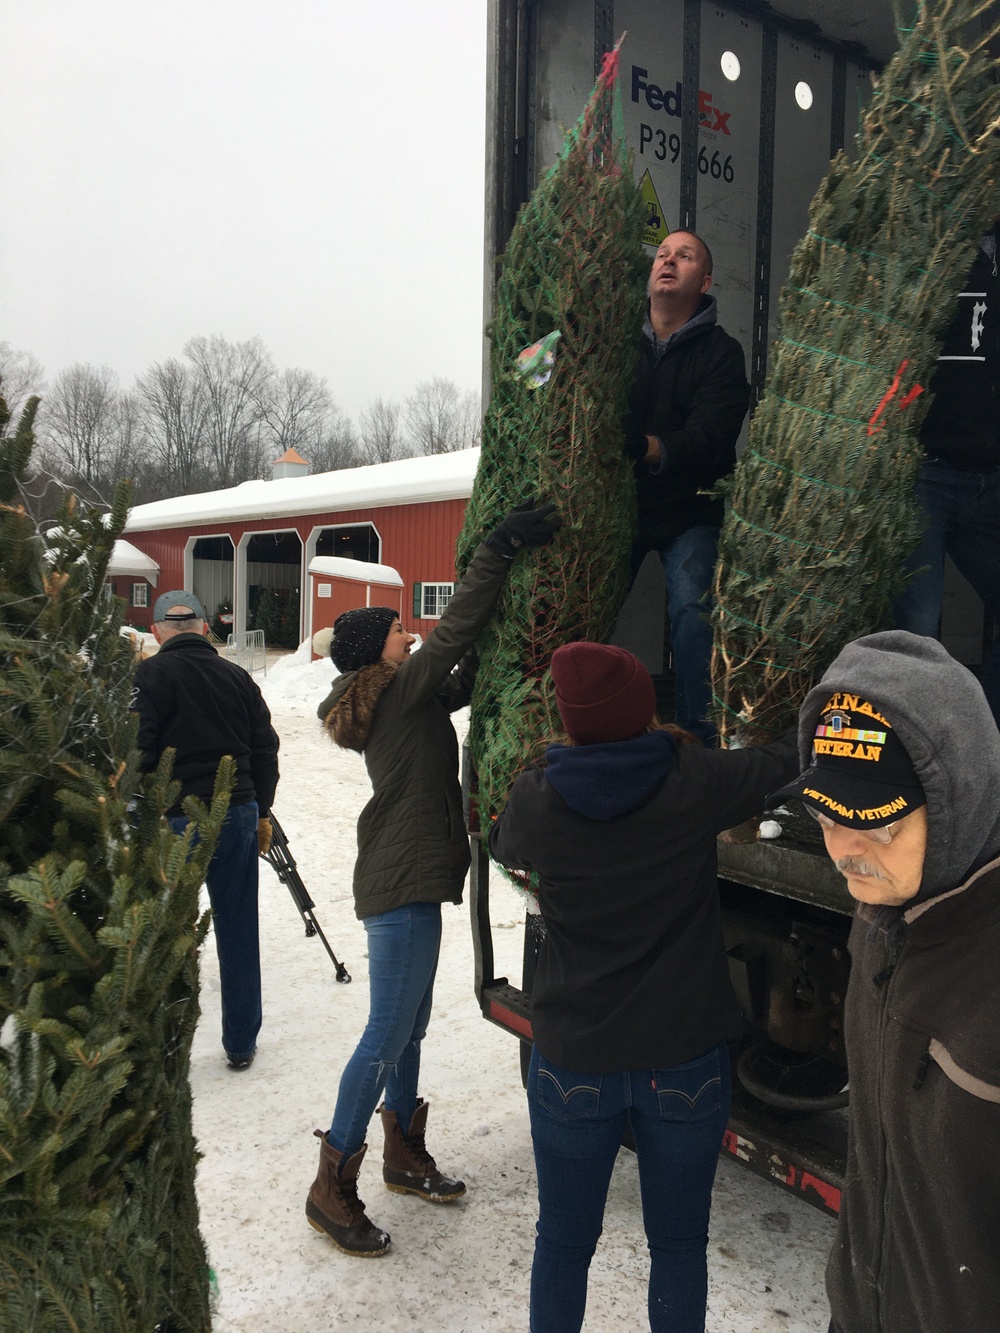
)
(190, 698)
(412, 842)
(918, 1242)
(693, 396)
(962, 426)
(632, 973)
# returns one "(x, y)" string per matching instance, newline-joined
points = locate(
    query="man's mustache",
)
(857, 865)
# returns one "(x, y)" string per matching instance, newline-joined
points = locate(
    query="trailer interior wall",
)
(734, 114)
(773, 95)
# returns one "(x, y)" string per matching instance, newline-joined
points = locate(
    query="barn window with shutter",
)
(430, 599)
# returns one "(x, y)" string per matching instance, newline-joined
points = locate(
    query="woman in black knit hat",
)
(632, 1002)
(413, 855)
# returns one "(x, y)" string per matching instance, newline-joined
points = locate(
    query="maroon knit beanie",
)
(603, 693)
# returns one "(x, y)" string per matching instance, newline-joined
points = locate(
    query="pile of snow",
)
(296, 684)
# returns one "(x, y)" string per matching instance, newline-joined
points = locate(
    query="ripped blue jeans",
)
(577, 1120)
(403, 948)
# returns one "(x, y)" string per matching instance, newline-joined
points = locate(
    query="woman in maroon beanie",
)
(632, 999)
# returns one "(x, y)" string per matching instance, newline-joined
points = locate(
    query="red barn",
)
(228, 546)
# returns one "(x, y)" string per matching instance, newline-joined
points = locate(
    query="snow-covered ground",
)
(462, 1268)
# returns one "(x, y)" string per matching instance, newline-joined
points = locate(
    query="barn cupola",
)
(290, 464)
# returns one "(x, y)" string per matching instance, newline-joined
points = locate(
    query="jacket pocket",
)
(690, 1092)
(987, 1092)
(566, 1095)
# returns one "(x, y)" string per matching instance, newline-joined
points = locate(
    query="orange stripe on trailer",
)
(508, 1019)
(830, 1194)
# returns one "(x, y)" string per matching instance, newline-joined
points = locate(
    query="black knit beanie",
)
(359, 636)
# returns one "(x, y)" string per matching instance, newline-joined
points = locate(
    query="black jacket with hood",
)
(691, 392)
(412, 842)
(918, 1239)
(632, 973)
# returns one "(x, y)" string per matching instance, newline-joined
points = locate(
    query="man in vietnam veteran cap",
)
(902, 770)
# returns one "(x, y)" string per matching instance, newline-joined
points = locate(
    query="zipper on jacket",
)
(882, 983)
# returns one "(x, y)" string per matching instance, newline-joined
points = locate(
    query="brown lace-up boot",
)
(408, 1167)
(333, 1205)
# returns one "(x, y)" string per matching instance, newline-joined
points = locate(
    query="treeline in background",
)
(215, 416)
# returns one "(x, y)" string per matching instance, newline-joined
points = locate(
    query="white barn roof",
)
(408, 481)
(363, 571)
(127, 559)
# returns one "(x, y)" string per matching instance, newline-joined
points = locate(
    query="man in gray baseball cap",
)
(177, 605)
(192, 700)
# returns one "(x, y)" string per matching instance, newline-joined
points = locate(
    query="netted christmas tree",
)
(99, 934)
(564, 342)
(821, 508)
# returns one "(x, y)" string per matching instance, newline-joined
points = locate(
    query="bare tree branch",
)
(233, 379)
(22, 376)
(339, 447)
(174, 413)
(382, 439)
(440, 420)
(295, 406)
(77, 422)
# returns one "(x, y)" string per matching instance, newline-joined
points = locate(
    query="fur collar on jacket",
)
(349, 720)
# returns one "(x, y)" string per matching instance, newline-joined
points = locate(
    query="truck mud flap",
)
(805, 1158)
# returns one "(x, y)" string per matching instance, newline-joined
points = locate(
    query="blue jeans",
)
(577, 1120)
(403, 948)
(689, 567)
(232, 890)
(962, 512)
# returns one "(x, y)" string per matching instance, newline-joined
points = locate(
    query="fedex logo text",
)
(669, 101)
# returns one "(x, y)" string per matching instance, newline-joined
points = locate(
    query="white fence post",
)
(247, 650)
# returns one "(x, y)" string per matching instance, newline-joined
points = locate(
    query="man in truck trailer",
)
(959, 484)
(903, 777)
(690, 397)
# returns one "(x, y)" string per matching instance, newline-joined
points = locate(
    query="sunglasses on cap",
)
(883, 835)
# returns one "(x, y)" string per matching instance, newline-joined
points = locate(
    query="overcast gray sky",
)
(309, 171)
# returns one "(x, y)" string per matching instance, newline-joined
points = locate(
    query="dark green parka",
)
(412, 842)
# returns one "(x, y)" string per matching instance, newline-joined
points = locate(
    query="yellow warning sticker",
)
(654, 228)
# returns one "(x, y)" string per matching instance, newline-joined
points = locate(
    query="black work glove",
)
(525, 526)
(635, 447)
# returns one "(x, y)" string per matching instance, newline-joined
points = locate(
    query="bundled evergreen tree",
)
(99, 934)
(821, 511)
(564, 342)
(267, 617)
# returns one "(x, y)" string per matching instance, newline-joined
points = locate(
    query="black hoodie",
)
(690, 391)
(632, 973)
(918, 1240)
(962, 425)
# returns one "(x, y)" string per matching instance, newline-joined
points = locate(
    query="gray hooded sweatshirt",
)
(918, 1239)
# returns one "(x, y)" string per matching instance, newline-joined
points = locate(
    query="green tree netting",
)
(99, 934)
(574, 265)
(821, 509)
